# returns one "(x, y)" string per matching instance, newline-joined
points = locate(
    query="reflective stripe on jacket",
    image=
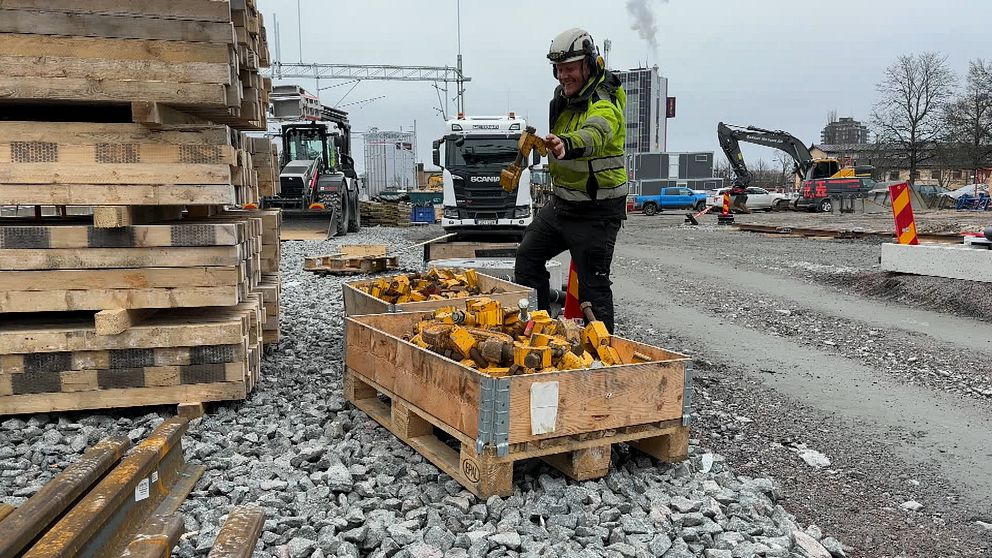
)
(594, 131)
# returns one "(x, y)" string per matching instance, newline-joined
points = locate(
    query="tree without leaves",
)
(969, 118)
(914, 91)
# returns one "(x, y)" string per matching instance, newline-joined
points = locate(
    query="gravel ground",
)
(860, 495)
(333, 483)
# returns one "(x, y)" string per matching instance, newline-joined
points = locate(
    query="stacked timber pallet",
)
(386, 214)
(160, 292)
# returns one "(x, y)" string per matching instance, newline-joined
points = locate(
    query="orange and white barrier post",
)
(902, 211)
(572, 309)
(726, 217)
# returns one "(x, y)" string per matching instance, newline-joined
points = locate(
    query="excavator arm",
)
(730, 137)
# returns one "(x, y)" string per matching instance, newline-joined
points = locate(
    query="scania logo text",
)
(485, 126)
(484, 179)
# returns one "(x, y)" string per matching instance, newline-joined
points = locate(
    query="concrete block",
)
(952, 262)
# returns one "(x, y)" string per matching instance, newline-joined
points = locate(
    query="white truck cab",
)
(472, 153)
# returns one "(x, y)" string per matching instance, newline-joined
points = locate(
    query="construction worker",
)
(589, 181)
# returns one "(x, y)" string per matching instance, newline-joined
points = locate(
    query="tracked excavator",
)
(821, 178)
(318, 179)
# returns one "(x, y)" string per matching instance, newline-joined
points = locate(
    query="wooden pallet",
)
(339, 265)
(485, 474)
(530, 415)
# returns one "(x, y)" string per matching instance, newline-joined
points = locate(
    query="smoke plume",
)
(644, 22)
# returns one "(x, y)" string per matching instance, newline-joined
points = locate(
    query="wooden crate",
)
(358, 303)
(495, 422)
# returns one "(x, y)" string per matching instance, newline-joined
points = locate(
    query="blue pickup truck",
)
(670, 198)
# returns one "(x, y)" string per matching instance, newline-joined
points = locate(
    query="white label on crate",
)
(543, 407)
(142, 490)
(155, 476)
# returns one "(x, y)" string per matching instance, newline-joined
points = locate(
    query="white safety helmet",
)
(571, 45)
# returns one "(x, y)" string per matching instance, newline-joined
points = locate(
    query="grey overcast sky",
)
(772, 63)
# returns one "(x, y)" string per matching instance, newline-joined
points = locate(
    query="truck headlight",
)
(521, 211)
(451, 212)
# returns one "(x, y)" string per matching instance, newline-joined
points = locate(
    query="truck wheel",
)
(355, 216)
(650, 209)
(782, 205)
(825, 206)
(700, 206)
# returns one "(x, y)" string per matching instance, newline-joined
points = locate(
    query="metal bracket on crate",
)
(494, 415)
(487, 392)
(391, 309)
(687, 395)
(501, 417)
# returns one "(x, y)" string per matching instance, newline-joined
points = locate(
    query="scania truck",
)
(471, 155)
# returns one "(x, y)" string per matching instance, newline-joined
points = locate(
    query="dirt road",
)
(793, 352)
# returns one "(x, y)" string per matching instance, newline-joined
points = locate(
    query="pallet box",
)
(357, 302)
(568, 418)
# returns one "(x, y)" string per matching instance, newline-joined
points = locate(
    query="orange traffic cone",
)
(572, 310)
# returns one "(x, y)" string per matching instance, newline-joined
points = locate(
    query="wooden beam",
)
(149, 113)
(114, 174)
(119, 217)
(100, 299)
(116, 194)
(115, 398)
(116, 70)
(83, 90)
(119, 320)
(113, 25)
(138, 278)
(185, 233)
(197, 10)
(190, 410)
(110, 258)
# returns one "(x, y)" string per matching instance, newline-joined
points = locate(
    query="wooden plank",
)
(118, 70)
(147, 157)
(583, 464)
(82, 90)
(158, 114)
(600, 399)
(238, 535)
(184, 234)
(62, 173)
(142, 278)
(190, 410)
(118, 320)
(424, 379)
(669, 448)
(87, 133)
(119, 217)
(119, 398)
(62, 362)
(113, 194)
(109, 299)
(88, 48)
(110, 25)
(109, 258)
(198, 10)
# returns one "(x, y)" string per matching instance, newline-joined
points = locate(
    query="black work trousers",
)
(590, 243)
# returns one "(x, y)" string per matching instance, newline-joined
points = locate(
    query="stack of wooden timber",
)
(266, 159)
(136, 110)
(386, 214)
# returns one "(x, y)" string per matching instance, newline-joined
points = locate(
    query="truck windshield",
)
(481, 152)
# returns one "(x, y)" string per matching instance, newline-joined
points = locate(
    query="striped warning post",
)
(572, 310)
(902, 210)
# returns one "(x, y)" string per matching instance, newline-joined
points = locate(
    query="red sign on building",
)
(670, 105)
